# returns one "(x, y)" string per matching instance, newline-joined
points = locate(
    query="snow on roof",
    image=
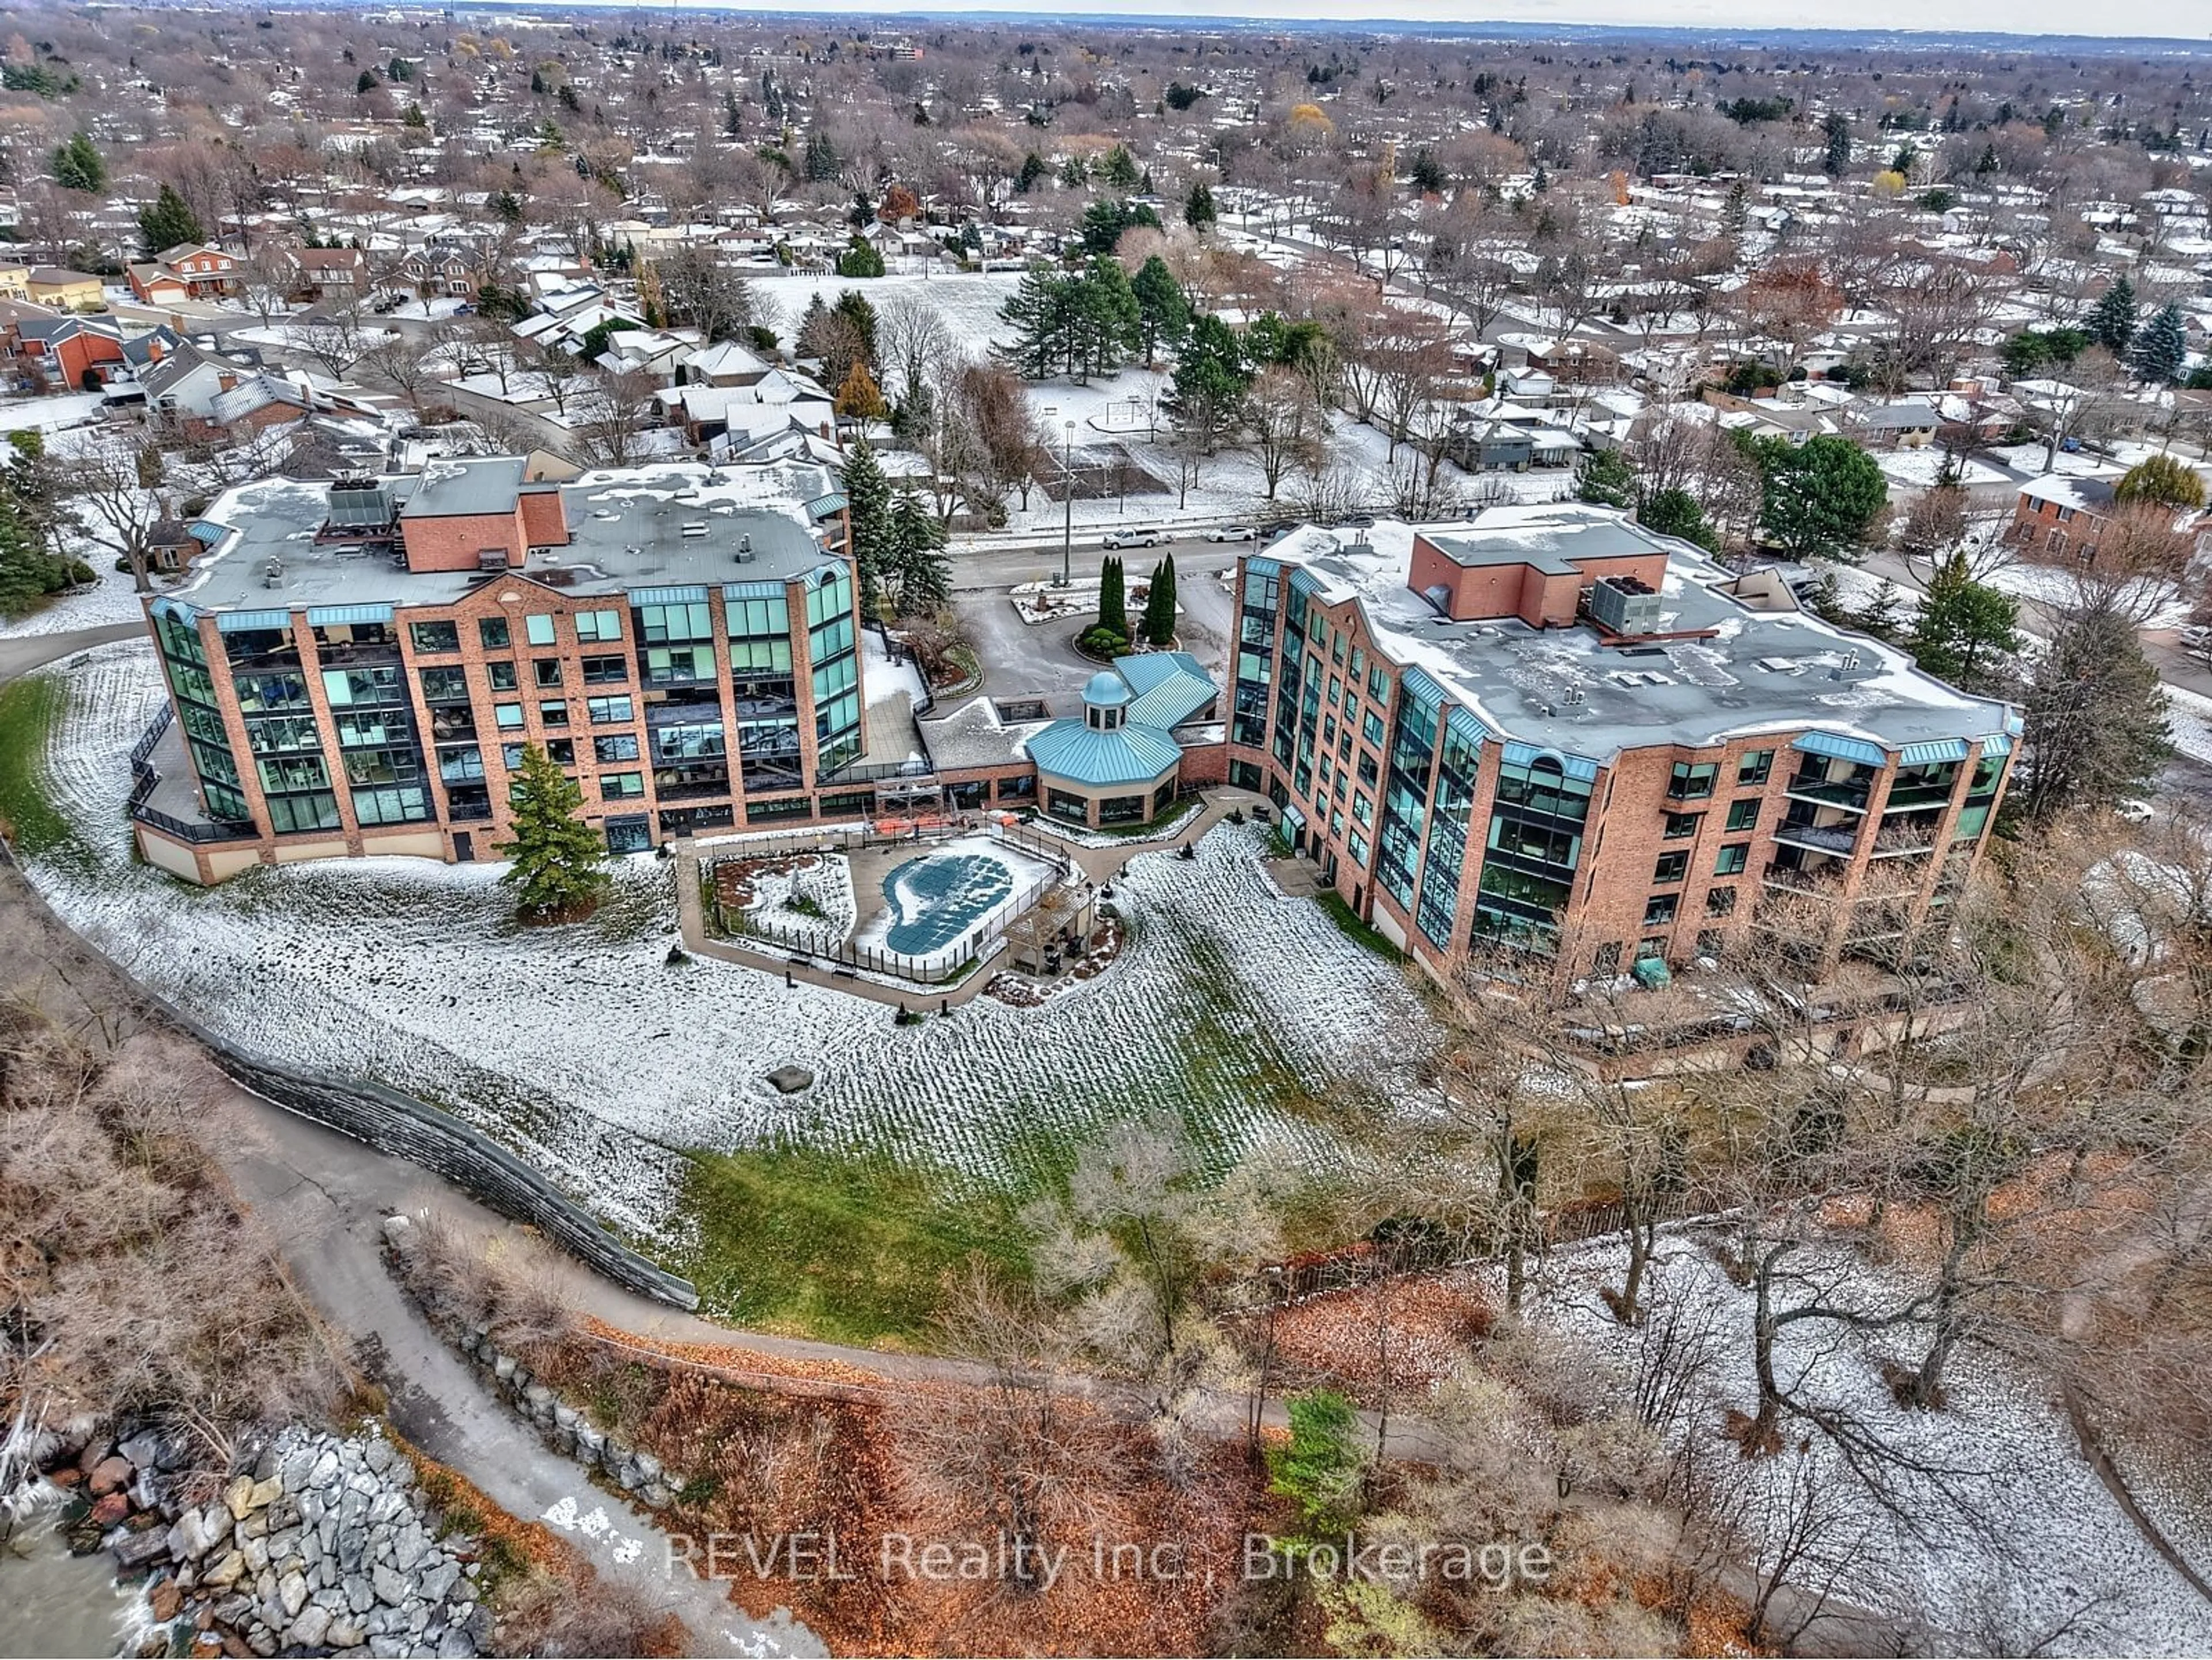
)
(1742, 671)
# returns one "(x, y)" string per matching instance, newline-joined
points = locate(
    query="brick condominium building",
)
(355, 668)
(1549, 729)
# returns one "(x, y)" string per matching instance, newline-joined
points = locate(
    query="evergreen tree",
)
(1605, 480)
(1198, 209)
(2165, 479)
(860, 258)
(1038, 312)
(78, 166)
(365, 82)
(1820, 495)
(2112, 322)
(1838, 161)
(854, 306)
(28, 573)
(859, 398)
(1426, 175)
(1162, 312)
(1735, 211)
(1105, 318)
(1034, 170)
(558, 862)
(2161, 349)
(1966, 632)
(821, 158)
(1318, 1467)
(1678, 512)
(1072, 174)
(919, 579)
(1118, 170)
(1205, 395)
(1160, 604)
(1113, 597)
(868, 503)
(165, 221)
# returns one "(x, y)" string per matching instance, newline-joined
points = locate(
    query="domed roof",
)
(1105, 689)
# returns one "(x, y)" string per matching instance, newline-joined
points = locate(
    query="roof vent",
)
(695, 530)
(744, 548)
(272, 573)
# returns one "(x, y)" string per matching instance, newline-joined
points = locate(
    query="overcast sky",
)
(2188, 20)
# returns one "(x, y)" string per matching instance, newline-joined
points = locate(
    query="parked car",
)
(2134, 810)
(1234, 534)
(1135, 539)
(2195, 636)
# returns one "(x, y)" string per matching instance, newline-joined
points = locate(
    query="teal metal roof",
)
(1127, 755)
(237, 621)
(1842, 749)
(1997, 744)
(1517, 754)
(323, 616)
(1105, 690)
(1170, 686)
(690, 595)
(1941, 749)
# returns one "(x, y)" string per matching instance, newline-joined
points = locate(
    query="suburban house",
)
(68, 291)
(329, 273)
(190, 271)
(14, 281)
(443, 269)
(81, 353)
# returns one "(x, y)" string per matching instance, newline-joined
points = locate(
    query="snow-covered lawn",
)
(111, 599)
(2003, 1542)
(809, 906)
(2189, 718)
(1232, 1009)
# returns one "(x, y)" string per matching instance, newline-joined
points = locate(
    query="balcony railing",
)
(1897, 842)
(1821, 838)
(1902, 797)
(1847, 795)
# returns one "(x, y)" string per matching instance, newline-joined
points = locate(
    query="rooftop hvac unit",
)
(744, 548)
(272, 573)
(695, 530)
(360, 503)
(1624, 605)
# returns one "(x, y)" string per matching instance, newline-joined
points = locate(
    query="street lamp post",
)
(1067, 504)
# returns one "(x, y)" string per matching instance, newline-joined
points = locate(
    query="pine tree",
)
(2167, 480)
(1966, 631)
(28, 573)
(1033, 170)
(1160, 604)
(920, 579)
(860, 399)
(1113, 602)
(868, 502)
(1198, 209)
(1162, 312)
(78, 166)
(1605, 480)
(860, 258)
(1838, 130)
(167, 220)
(1037, 311)
(557, 862)
(1105, 318)
(1119, 169)
(2161, 349)
(2112, 322)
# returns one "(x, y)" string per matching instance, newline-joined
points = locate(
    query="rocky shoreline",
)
(317, 1544)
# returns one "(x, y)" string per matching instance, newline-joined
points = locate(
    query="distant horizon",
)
(2026, 21)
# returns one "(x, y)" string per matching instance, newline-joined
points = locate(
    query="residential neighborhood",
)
(996, 834)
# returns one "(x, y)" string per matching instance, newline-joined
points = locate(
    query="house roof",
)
(1169, 687)
(1080, 754)
(2068, 489)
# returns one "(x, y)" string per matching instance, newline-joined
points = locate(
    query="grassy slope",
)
(28, 709)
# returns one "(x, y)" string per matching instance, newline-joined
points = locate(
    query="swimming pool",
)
(935, 899)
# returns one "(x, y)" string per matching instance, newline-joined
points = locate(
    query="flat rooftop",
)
(627, 530)
(1568, 689)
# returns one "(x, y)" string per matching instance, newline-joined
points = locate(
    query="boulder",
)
(294, 1469)
(310, 1629)
(110, 1475)
(142, 1550)
(343, 1633)
(436, 1582)
(648, 1467)
(360, 1595)
(408, 1546)
(164, 1601)
(789, 1080)
(263, 1494)
(321, 1474)
(257, 1553)
(379, 1455)
(225, 1572)
(145, 1450)
(111, 1509)
(239, 1496)
(390, 1587)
